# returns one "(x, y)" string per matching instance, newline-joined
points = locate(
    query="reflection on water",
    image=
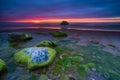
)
(58, 28)
(30, 27)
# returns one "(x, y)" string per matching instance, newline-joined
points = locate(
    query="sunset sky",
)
(58, 10)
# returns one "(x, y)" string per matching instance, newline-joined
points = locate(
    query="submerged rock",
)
(2, 66)
(47, 43)
(35, 57)
(18, 37)
(59, 34)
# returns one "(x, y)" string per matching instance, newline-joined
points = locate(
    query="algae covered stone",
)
(63, 77)
(2, 66)
(35, 57)
(90, 65)
(19, 37)
(43, 77)
(47, 43)
(59, 34)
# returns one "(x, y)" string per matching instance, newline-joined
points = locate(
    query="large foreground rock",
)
(35, 57)
(2, 66)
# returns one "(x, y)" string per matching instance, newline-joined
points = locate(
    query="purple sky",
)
(28, 9)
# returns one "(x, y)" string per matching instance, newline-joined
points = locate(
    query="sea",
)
(105, 26)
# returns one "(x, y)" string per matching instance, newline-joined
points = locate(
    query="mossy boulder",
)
(59, 34)
(19, 37)
(35, 57)
(2, 66)
(47, 43)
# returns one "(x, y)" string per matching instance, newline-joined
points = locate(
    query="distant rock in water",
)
(64, 23)
(35, 57)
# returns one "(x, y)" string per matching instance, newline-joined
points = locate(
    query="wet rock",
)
(19, 37)
(47, 43)
(59, 34)
(96, 76)
(35, 57)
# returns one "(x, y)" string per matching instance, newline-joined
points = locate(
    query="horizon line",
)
(71, 20)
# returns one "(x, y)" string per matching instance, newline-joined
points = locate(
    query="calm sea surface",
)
(79, 26)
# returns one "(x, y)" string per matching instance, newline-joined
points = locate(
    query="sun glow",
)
(114, 19)
(36, 21)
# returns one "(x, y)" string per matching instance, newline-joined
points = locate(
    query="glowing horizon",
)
(82, 20)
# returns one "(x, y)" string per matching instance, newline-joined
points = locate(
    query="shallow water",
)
(107, 65)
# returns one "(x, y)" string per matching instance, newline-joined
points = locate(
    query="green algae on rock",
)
(59, 34)
(112, 45)
(77, 58)
(64, 77)
(2, 66)
(90, 65)
(35, 57)
(19, 37)
(82, 70)
(47, 43)
(43, 77)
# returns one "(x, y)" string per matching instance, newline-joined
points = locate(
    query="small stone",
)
(43, 77)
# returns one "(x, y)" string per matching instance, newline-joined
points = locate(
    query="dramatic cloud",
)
(41, 9)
